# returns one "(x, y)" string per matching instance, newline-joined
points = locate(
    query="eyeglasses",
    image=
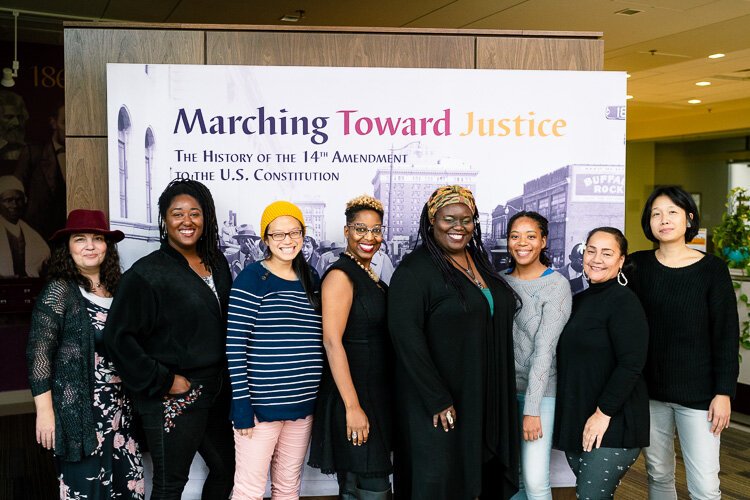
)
(455, 221)
(294, 234)
(361, 230)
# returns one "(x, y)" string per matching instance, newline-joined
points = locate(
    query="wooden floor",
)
(27, 472)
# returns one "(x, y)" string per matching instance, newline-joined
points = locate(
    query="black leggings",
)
(598, 472)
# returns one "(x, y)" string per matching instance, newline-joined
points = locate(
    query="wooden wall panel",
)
(87, 52)
(339, 49)
(540, 53)
(87, 179)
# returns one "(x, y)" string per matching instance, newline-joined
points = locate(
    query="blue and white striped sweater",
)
(274, 348)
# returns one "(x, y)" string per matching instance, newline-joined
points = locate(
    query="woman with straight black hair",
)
(450, 316)
(167, 333)
(692, 363)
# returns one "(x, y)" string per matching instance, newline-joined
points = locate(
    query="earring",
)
(621, 279)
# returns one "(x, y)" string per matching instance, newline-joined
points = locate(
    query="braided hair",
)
(208, 244)
(475, 248)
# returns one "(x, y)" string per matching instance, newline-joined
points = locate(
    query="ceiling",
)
(663, 46)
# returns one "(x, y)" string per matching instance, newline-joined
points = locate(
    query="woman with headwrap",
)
(450, 316)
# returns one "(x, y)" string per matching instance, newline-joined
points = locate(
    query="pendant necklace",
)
(467, 270)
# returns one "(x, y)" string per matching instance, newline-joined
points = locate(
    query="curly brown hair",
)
(62, 267)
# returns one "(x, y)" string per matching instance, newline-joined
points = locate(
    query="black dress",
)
(448, 353)
(370, 356)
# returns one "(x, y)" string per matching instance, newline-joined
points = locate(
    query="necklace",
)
(369, 272)
(467, 270)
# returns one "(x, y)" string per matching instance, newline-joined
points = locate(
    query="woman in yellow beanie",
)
(275, 354)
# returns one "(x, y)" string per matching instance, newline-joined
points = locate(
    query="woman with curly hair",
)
(352, 427)
(450, 317)
(82, 413)
(166, 335)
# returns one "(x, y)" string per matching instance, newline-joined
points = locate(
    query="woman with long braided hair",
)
(166, 334)
(450, 316)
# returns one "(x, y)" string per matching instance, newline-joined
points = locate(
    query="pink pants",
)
(283, 446)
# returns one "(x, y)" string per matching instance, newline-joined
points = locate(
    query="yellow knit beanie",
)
(278, 209)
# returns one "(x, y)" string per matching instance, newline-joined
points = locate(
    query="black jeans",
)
(178, 426)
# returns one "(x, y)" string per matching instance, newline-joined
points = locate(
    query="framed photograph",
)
(697, 200)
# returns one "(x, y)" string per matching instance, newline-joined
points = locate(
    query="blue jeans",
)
(700, 451)
(535, 455)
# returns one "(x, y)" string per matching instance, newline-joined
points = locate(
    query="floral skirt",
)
(115, 468)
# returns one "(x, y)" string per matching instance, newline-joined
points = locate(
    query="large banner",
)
(550, 141)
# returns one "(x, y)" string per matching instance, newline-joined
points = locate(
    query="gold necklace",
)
(369, 272)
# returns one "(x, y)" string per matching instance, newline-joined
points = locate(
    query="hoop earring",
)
(621, 279)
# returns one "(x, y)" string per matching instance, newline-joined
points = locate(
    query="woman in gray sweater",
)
(546, 303)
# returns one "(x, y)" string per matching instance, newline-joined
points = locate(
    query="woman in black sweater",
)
(167, 334)
(601, 418)
(692, 365)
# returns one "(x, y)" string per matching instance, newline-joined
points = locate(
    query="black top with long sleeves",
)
(600, 359)
(448, 354)
(165, 320)
(694, 326)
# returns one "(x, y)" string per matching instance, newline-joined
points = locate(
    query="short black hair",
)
(679, 197)
(622, 242)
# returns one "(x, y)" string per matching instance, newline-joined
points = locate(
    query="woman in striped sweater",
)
(275, 354)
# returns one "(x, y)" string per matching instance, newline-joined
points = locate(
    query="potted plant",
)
(732, 237)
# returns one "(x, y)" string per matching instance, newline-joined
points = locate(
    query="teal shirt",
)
(490, 301)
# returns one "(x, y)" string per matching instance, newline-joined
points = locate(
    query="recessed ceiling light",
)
(694, 101)
(716, 56)
(628, 96)
(628, 12)
(703, 84)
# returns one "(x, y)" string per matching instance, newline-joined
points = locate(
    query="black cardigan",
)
(451, 354)
(165, 320)
(600, 359)
(60, 358)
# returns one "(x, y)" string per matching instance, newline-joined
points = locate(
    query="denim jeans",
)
(535, 455)
(700, 451)
(176, 427)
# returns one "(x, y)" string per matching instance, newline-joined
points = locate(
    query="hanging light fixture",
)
(10, 73)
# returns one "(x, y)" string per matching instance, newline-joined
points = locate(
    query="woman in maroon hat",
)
(82, 413)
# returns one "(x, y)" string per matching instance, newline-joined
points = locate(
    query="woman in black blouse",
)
(601, 419)
(82, 413)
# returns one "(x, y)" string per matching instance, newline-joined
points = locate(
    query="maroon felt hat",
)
(87, 221)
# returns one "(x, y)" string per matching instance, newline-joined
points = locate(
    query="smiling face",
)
(525, 241)
(88, 251)
(668, 220)
(184, 223)
(453, 226)
(288, 248)
(602, 258)
(363, 246)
